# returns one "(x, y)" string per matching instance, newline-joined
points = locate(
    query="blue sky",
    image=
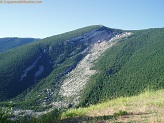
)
(58, 16)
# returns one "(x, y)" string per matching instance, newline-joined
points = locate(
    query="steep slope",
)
(43, 65)
(76, 80)
(134, 65)
(9, 43)
(24, 66)
(84, 67)
(49, 91)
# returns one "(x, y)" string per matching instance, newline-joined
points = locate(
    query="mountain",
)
(133, 66)
(82, 67)
(9, 43)
(36, 70)
(24, 66)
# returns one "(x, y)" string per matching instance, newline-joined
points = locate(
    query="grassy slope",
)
(146, 107)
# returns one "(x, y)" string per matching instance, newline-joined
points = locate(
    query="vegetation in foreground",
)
(146, 107)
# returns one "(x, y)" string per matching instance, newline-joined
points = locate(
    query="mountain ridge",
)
(81, 67)
(12, 42)
(34, 49)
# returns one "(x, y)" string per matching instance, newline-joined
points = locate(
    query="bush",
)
(5, 113)
(120, 113)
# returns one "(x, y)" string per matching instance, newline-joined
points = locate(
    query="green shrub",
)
(120, 113)
(5, 113)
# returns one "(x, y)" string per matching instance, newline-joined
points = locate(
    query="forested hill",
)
(9, 43)
(82, 67)
(133, 66)
(23, 66)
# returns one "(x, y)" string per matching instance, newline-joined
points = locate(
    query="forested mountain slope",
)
(82, 67)
(9, 43)
(134, 65)
(29, 60)
(46, 62)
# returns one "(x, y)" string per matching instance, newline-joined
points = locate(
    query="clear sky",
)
(58, 16)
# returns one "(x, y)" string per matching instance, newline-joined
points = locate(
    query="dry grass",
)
(147, 107)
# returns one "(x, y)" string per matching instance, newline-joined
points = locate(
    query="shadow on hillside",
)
(98, 119)
(86, 119)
